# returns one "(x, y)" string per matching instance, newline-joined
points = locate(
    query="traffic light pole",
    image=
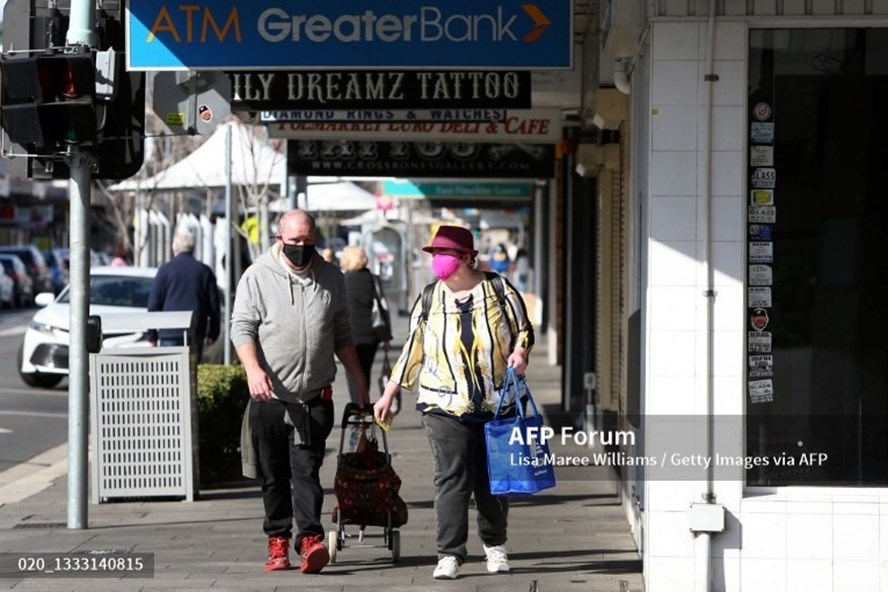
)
(81, 31)
(79, 195)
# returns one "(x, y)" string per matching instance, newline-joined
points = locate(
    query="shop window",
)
(817, 276)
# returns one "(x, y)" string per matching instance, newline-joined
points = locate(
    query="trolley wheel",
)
(333, 544)
(395, 545)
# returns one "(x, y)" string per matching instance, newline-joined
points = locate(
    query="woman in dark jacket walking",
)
(362, 288)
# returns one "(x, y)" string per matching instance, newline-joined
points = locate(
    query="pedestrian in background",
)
(499, 259)
(290, 317)
(363, 288)
(120, 257)
(457, 355)
(521, 270)
(184, 283)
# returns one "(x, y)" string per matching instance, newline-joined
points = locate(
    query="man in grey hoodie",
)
(290, 317)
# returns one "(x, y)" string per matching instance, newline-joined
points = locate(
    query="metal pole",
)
(82, 23)
(78, 378)
(229, 260)
(81, 31)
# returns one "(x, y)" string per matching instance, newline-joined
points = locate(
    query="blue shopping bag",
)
(517, 461)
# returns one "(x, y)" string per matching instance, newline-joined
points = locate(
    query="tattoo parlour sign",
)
(276, 91)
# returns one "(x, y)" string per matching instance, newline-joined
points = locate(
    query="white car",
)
(43, 355)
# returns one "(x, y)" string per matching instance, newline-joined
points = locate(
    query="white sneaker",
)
(447, 568)
(497, 558)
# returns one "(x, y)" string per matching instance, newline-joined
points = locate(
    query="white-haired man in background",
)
(184, 283)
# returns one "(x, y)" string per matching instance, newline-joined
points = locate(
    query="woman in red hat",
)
(465, 330)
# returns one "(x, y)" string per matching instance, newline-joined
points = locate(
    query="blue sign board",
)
(407, 34)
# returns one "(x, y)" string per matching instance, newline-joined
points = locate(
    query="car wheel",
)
(36, 379)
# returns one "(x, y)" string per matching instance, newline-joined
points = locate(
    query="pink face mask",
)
(444, 266)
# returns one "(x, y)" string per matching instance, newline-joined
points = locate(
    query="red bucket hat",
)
(452, 237)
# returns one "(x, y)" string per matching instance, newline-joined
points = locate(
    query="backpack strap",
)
(498, 288)
(427, 294)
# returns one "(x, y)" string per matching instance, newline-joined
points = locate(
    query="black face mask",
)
(299, 255)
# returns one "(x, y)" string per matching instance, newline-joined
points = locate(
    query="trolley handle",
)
(353, 409)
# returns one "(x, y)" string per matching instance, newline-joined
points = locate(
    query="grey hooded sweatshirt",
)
(296, 327)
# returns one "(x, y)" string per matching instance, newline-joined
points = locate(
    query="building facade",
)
(740, 310)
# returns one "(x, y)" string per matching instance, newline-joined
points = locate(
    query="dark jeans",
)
(196, 346)
(366, 355)
(289, 472)
(460, 456)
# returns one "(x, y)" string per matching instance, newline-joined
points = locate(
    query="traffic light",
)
(48, 100)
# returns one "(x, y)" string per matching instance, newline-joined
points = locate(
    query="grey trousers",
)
(460, 458)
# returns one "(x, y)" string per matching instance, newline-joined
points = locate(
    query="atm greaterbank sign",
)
(273, 34)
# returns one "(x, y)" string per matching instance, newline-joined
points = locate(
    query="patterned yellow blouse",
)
(435, 353)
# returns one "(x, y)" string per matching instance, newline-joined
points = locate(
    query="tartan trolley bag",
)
(366, 485)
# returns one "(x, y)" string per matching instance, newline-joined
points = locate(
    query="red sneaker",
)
(278, 553)
(315, 555)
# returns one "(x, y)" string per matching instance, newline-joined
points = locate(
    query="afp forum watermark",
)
(674, 448)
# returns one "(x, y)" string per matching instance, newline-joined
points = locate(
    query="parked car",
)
(43, 355)
(34, 263)
(7, 290)
(23, 290)
(57, 260)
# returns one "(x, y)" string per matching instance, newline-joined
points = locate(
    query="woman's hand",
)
(384, 404)
(518, 360)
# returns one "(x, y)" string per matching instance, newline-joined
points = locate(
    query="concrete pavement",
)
(571, 538)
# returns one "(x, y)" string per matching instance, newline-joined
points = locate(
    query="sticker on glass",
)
(761, 132)
(761, 156)
(759, 341)
(205, 113)
(762, 111)
(761, 252)
(761, 391)
(759, 319)
(761, 197)
(762, 214)
(760, 231)
(761, 366)
(759, 297)
(764, 178)
(761, 275)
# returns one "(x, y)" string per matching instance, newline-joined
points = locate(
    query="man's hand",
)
(260, 384)
(364, 397)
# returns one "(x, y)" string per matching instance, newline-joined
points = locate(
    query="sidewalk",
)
(570, 539)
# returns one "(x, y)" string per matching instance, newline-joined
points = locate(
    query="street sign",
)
(269, 34)
(420, 159)
(403, 89)
(533, 125)
(191, 102)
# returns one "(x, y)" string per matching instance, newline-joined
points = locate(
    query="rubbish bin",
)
(143, 414)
